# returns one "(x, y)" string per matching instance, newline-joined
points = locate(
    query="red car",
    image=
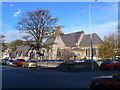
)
(106, 82)
(18, 62)
(110, 65)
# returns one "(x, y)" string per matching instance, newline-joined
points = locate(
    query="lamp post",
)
(92, 67)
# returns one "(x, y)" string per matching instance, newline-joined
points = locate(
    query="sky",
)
(73, 15)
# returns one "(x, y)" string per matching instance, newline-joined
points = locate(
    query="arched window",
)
(32, 55)
(58, 53)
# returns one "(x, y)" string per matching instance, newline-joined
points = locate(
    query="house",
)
(20, 52)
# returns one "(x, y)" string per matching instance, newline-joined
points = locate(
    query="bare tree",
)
(26, 38)
(57, 31)
(38, 24)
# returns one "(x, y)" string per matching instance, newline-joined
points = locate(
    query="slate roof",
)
(25, 50)
(12, 54)
(71, 39)
(86, 40)
(19, 50)
(50, 41)
(68, 39)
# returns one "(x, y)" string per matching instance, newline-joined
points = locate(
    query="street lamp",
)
(91, 33)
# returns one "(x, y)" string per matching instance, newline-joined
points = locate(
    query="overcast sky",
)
(73, 15)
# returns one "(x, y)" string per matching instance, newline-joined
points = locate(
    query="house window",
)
(47, 51)
(88, 52)
(94, 51)
(43, 51)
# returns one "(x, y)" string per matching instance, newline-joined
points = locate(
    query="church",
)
(72, 46)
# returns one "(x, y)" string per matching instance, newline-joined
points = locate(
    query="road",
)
(18, 77)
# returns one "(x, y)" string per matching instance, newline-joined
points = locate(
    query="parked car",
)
(87, 60)
(106, 82)
(112, 64)
(10, 62)
(70, 62)
(78, 61)
(18, 62)
(117, 60)
(30, 63)
(4, 61)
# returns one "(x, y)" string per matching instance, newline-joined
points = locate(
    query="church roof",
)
(86, 40)
(50, 41)
(71, 39)
(68, 39)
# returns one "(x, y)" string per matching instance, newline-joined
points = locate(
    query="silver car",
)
(9, 62)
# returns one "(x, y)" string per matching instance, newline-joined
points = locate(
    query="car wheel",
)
(16, 65)
(23, 66)
(101, 69)
(119, 67)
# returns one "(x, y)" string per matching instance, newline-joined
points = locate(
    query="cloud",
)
(72, 29)
(0, 2)
(82, 11)
(106, 28)
(103, 29)
(17, 13)
(13, 35)
(11, 5)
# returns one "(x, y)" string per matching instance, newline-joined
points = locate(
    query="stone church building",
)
(72, 46)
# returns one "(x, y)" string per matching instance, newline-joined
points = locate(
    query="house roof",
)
(25, 50)
(50, 41)
(71, 39)
(21, 49)
(86, 40)
(12, 54)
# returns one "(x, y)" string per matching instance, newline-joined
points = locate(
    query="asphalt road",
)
(18, 77)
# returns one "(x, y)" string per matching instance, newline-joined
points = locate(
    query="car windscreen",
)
(21, 60)
(105, 62)
(10, 60)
